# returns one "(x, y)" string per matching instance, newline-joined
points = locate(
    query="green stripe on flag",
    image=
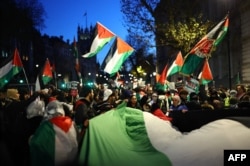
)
(119, 137)
(191, 64)
(9, 75)
(42, 145)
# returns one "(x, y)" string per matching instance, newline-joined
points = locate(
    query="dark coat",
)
(17, 130)
(83, 111)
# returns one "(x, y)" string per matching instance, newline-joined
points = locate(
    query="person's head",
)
(144, 103)
(107, 94)
(154, 107)
(13, 94)
(193, 96)
(183, 94)
(154, 97)
(150, 90)
(233, 93)
(233, 101)
(240, 89)
(50, 88)
(24, 94)
(133, 99)
(87, 92)
(176, 100)
(125, 94)
(54, 108)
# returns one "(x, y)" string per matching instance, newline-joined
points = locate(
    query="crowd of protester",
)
(25, 118)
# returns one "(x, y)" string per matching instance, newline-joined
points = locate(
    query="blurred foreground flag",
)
(117, 54)
(103, 36)
(127, 140)
(9, 68)
(204, 47)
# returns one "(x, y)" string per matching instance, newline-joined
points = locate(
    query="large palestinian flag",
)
(54, 143)
(126, 136)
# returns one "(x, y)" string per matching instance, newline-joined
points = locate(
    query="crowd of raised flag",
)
(50, 126)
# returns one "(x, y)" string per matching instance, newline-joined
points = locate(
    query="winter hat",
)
(233, 92)
(54, 107)
(107, 93)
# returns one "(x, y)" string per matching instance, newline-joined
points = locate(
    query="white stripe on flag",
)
(5, 69)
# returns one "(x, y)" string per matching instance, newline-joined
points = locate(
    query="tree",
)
(165, 24)
(21, 18)
(141, 61)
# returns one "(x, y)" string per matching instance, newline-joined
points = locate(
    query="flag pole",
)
(229, 59)
(26, 78)
(23, 70)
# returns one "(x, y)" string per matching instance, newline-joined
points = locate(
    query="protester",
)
(16, 129)
(184, 96)
(241, 91)
(177, 105)
(193, 103)
(83, 108)
(108, 102)
(144, 103)
(133, 103)
(55, 142)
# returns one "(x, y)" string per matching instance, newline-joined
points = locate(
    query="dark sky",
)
(63, 17)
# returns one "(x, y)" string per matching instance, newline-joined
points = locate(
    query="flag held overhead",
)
(117, 54)
(103, 36)
(204, 47)
(10, 68)
(206, 75)
(47, 73)
(176, 65)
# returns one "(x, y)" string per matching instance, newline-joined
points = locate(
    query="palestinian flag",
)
(116, 56)
(54, 142)
(10, 68)
(103, 36)
(206, 75)
(195, 58)
(123, 137)
(47, 73)
(77, 64)
(163, 76)
(222, 33)
(176, 65)
(161, 80)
